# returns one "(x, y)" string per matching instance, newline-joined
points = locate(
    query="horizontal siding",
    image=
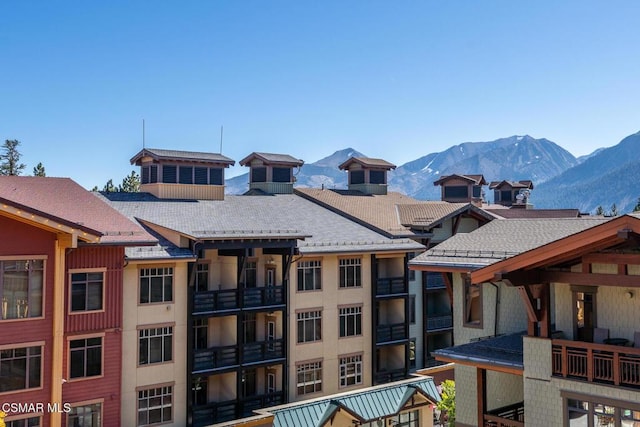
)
(106, 387)
(111, 258)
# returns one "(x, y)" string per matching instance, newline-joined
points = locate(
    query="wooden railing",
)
(391, 286)
(508, 416)
(598, 363)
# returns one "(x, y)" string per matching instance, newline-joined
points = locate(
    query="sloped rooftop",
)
(192, 156)
(503, 351)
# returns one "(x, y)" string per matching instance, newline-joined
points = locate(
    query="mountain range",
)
(603, 178)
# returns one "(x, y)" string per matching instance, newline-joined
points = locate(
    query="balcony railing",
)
(391, 333)
(264, 350)
(234, 299)
(597, 363)
(218, 412)
(387, 376)
(215, 358)
(508, 416)
(444, 321)
(391, 286)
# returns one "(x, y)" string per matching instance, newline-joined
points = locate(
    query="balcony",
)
(387, 376)
(225, 300)
(218, 412)
(596, 363)
(215, 358)
(391, 286)
(391, 333)
(435, 281)
(263, 351)
(443, 321)
(508, 416)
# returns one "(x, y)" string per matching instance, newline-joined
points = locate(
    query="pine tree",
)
(109, 187)
(39, 170)
(637, 207)
(130, 183)
(614, 210)
(10, 158)
(599, 211)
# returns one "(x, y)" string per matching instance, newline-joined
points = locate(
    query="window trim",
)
(12, 346)
(87, 403)
(23, 416)
(299, 268)
(102, 347)
(321, 381)
(173, 284)
(155, 326)
(70, 272)
(153, 387)
(340, 315)
(341, 357)
(477, 324)
(44, 259)
(357, 267)
(308, 310)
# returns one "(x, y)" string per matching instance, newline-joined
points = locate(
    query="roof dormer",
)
(172, 174)
(512, 193)
(367, 175)
(461, 188)
(271, 173)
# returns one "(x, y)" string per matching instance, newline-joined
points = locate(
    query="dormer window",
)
(259, 174)
(282, 174)
(271, 173)
(461, 188)
(356, 177)
(149, 174)
(367, 175)
(169, 174)
(377, 177)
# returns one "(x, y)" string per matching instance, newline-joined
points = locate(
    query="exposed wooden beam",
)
(599, 279)
(481, 392)
(610, 258)
(527, 298)
(447, 279)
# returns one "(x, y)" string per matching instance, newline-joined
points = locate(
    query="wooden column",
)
(481, 390)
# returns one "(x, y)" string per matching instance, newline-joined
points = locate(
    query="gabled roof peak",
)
(369, 162)
(272, 158)
(178, 155)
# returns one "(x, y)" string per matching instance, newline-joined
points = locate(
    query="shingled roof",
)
(64, 201)
(282, 159)
(185, 156)
(367, 162)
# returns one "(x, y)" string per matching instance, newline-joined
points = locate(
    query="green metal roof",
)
(366, 405)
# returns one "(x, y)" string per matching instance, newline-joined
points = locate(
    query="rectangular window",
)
(155, 405)
(156, 285)
(309, 326)
(412, 309)
(169, 174)
(472, 305)
(377, 177)
(155, 345)
(259, 174)
(281, 174)
(412, 273)
(456, 191)
(144, 179)
(406, 419)
(85, 416)
(200, 334)
(202, 277)
(477, 191)
(200, 176)
(25, 422)
(186, 174)
(21, 287)
(216, 176)
(153, 174)
(356, 177)
(350, 321)
(86, 291)
(250, 274)
(350, 273)
(412, 353)
(309, 275)
(20, 368)
(85, 357)
(309, 378)
(506, 196)
(350, 370)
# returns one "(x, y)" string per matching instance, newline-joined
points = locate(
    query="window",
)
(309, 326)
(412, 309)
(412, 353)
(186, 174)
(281, 174)
(412, 273)
(456, 191)
(85, 357)
(350, 370)
(477, 191)
(156, 285)
(155, 405)
(216, 176)
(25, 422)
(309, 275)
(200, 333)
(200, 176)
(155, 345)
(406, 419)
(472, 305)
(259, 174)
(86, 291)
(350, 321)
(85, 416)
(202, 277)
(20, 368)
(585, 411)
(169, 174)
(309, 378)
(506, 196)
(377, 177)
(356, 177)
(21, 285)
(149, 174)
(350, 273)
(250, 274)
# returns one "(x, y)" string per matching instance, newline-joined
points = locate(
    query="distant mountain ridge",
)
(603, 177)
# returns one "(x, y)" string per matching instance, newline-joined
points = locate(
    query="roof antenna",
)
(221, 129)
(143, 134)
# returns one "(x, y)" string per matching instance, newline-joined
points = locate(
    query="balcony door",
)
(584, 312)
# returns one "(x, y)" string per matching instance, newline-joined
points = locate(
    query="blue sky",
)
(393, 79)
